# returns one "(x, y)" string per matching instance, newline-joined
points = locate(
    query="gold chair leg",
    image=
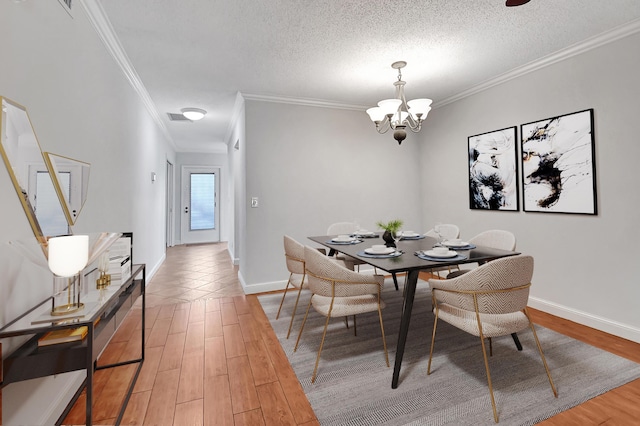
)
(295, 308)
(384, 339)
(433, 340)
(304, 321)
(544, 360)
(486, 365)
(285, 293)
(324, 333)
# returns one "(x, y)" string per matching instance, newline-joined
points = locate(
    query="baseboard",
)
(150, 272)
(599, 323)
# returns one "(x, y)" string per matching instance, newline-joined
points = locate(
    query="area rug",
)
(353, 386)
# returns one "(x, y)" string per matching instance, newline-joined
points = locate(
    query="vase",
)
(388, 239)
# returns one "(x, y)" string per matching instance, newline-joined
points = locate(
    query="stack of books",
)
(64, 335)
(120, 260)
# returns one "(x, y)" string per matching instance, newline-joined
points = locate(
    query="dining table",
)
(409, 258)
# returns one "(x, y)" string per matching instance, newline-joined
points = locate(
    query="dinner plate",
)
(364, 233)
(455, 244)
(343, 239)
(431, 253)
(410, 234)
(388, 250)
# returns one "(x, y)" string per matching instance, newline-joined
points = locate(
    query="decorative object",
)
(389, 228)
(397, 113)
(493, 171)
(193, 114)
(558, 166)
(68, 256)
(104, 279)
(511, 3)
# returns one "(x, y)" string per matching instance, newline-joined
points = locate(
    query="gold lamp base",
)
(67, 309)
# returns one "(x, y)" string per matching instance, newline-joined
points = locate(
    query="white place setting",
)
(344, 239)
(380, 250)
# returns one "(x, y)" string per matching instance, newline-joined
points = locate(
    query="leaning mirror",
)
(71, 180)
(28, 172)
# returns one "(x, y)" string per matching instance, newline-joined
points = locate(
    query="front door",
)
(200, 213)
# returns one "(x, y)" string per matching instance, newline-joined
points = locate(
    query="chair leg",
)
(295, 307)
(304, 321)
(544, 360)
(486, 366)
(284, 294)
(324, 333)
(433, 340)
(355, 327)
(384, 339)
(395, 279)
(516, 341)
(490, 347)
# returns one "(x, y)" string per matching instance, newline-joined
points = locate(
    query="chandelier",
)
(397, 113)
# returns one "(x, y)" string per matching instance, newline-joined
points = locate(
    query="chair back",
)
(339, 228)
(329, 278)
(294, 255)
(448, 231)
(500, 286)
(495, 238)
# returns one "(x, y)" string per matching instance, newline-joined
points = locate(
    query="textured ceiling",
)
(200, 53)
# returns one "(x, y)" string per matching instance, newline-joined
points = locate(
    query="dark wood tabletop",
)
(411, 264)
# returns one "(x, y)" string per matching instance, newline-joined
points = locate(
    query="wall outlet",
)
(254, 202)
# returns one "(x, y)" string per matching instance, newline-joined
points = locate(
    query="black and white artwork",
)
(493, 181)
(558, 167)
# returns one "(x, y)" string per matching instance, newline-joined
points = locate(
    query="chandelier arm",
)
(384, 126)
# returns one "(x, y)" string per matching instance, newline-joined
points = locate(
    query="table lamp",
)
(67, 258)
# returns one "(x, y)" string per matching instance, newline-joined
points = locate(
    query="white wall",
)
(572, 277)
(311, 167)
(83, 107)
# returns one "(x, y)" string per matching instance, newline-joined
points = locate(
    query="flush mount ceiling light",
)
(510, 3)
(398, 114)
(193, 114)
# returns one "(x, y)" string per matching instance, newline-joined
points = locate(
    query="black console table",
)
(103, 313)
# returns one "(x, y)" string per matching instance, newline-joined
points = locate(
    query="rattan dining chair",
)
(340, 292)
(489, 301)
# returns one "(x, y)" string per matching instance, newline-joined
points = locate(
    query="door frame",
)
(203, 236)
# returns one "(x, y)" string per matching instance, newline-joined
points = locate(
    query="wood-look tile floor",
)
(211, 357)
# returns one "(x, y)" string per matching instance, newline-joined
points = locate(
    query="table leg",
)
(407, 306)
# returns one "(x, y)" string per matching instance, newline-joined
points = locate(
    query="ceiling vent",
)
(177, 117)
(66, 4)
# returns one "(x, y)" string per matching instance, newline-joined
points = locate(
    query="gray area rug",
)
(353, 386)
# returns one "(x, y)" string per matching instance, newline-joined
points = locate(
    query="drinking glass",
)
(438, 230)
(397, 236)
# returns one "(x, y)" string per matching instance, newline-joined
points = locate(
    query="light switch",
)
(254, 202)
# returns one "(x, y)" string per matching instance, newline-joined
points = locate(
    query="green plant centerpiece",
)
(389, 228)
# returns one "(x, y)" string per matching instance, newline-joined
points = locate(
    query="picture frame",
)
(493, 170)
(558, 164)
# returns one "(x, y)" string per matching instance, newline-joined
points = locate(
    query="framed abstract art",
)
(558, 167)
(558, 164)
(493, 170)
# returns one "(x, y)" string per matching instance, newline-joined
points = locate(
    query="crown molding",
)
(301, 101)
(576, 49)
(98, 18)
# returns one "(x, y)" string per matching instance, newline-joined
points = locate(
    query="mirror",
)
(20, 149)
(71, 181)
(51, 188)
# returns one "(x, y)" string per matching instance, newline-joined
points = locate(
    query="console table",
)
(103, 313)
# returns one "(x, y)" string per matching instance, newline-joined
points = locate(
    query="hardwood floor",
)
(211, 357)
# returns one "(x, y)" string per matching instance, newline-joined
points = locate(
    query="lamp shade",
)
(68, 255)
(390, 106)
(375, 114)
(419, 106)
